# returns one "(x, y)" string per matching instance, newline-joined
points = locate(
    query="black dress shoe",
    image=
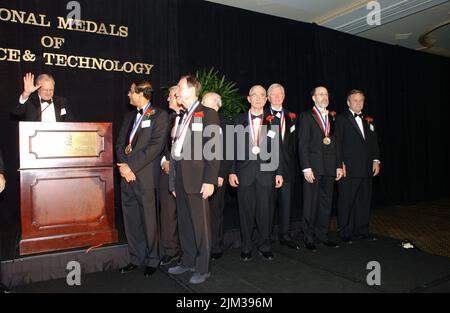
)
(330, 244)
(129, 268)
(367, 237)
(148, 271)
(167, 259)
(216, 256)
(268, 255)
(4, 289)
(310, 246)
(246, 256)
(347, 240)
(290, 243)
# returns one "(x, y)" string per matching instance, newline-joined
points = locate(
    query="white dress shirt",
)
(359, 122)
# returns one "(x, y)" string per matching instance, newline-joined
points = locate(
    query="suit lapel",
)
(332, 124)
(57, 106)
(288, 123)
(316, 120)
(355, 125)
(37, 108)
(132, 118)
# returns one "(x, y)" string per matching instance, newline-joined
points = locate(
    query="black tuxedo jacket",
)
(289, 144)
(248, 169)
(225, 164)
(357, 152)
(168, 145)
(195, 169)
(148, 144)
(31, 109)
(2, 165)
(322, 159)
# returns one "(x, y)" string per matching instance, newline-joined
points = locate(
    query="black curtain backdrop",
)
(98, 96)
(406, 91)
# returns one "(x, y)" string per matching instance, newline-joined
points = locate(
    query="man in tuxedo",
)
(139, 146)
(287, 122)
(193, 175)
(360, 155)
(3, 288)
(255, 184)
(217, 200)
(321, 165)
(170, 245)
(43, 106)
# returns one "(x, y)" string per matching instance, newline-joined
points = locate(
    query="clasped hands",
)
(2, 182)
(126, 172)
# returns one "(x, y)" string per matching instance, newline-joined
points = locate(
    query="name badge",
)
(271, 134)
(197, 127)
(292, 128)
(63, 111)
(372, 128)
(146, 123)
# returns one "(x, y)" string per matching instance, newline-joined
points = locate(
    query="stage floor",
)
(342, 269)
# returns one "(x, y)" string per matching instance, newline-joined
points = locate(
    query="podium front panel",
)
(66, 186)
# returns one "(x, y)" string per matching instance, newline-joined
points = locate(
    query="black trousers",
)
(217, 203)
(256, 216)
(317, 201)
(169, 243)
(354, 206)
(194, 228)
(141, 227)
(282, 205)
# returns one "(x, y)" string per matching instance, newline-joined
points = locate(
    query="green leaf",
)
(232, 102)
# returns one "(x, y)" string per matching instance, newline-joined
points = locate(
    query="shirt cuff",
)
(378, 161)
(163, 160)
(22, 100)
(307, 170)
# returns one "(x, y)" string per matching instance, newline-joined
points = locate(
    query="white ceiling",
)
(416, 24)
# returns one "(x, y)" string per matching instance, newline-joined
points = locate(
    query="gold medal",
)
(128, 149)
(326, 140)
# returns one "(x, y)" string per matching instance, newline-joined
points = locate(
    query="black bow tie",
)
(48, 101)
(360, 115)
(140, 111)
(256, 116)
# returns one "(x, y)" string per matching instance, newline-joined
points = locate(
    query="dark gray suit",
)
(186, 177)
(138, 197)
(170, 244)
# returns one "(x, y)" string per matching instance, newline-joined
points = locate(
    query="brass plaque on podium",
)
(53, 144)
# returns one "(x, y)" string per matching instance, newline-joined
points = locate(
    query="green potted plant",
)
(212, 82)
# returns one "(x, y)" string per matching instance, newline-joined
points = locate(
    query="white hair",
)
(216, 97)
(275, 85)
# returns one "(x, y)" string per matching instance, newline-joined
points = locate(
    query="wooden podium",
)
(66, 186)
